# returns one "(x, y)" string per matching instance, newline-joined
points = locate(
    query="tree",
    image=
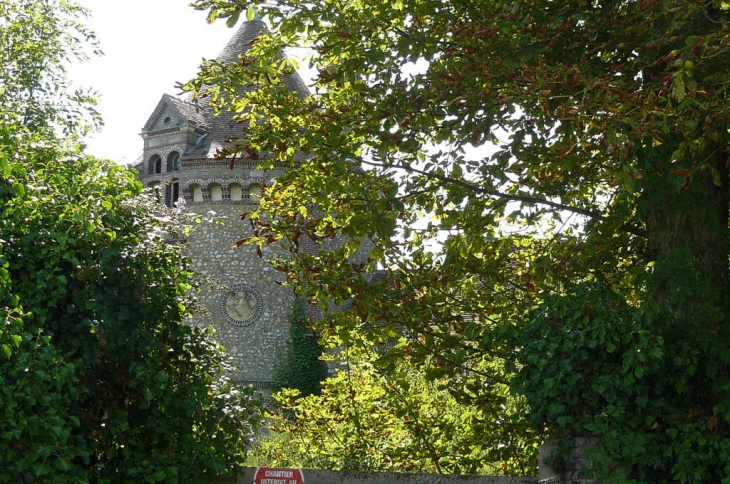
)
(107, 374)
(546, 184)
(38, 39)
(100, 379)
(394, 420)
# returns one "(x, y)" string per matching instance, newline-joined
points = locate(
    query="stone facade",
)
(256, 336)
(245, 304)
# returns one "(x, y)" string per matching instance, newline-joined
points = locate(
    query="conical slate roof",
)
(241, 41)
(222, 126)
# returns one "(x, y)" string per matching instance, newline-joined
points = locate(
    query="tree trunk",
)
(687, 233)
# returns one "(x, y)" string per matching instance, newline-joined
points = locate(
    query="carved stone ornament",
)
(241, 305)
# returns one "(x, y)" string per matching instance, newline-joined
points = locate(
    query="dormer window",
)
(173, 193)
(197, 193)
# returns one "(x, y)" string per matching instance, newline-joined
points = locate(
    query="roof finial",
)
(254, 13)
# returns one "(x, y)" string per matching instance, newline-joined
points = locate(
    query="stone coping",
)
(312, 476)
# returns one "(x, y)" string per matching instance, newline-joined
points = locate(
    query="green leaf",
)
(233, 19)
(63, 464)
(251, 13)
(19, 189)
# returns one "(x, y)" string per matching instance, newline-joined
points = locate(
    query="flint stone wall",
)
(256, 348)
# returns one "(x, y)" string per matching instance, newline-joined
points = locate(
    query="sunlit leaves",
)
(503, 160)
(37, 40)
(398, 420)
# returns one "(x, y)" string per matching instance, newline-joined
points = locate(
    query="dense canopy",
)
(546, 185)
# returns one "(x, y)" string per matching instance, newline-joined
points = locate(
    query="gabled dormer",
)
(175, 125)
(172, 113)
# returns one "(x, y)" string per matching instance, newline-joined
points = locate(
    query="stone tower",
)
(247, 307)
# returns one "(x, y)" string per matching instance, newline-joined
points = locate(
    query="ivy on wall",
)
(301, 368)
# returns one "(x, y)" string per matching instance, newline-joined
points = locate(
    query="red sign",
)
(267, 475)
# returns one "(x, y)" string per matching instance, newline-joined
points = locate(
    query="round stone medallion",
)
(241, 305)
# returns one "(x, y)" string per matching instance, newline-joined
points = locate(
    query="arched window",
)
(254, 191)
(197, 193)
(173, 161)
(236, 192)
(155, 165)
(216, 193)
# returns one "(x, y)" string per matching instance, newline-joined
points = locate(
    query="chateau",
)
(247, 307)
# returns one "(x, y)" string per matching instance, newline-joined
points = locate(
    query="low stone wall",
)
(312, 476)
(579, 469)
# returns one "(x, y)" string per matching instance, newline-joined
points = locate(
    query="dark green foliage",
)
(302, 368)
(106, 383)
(100, 379)
(637, 379)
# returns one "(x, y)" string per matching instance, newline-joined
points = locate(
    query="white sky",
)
(149, 45)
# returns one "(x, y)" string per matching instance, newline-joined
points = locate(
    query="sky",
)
(149, 45)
